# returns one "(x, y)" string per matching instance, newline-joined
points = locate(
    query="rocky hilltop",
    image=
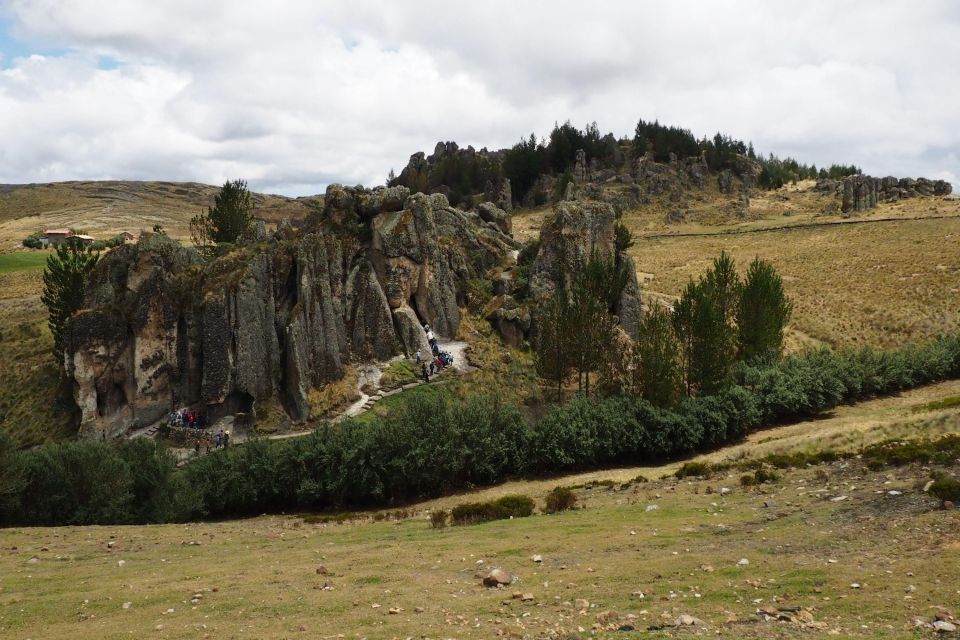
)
(277, 318)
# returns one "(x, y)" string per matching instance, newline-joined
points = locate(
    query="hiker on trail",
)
(435, 348)
(418, 356)
(430, 336)
(424, 373)
(226, 439)
(432, 367)
(218, 439)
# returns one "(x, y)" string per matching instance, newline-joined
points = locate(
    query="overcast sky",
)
(295, 95)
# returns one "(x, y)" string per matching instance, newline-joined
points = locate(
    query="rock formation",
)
(568, 238)
(162, 329)
(859, 193)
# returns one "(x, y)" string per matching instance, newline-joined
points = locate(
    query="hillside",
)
(105, 208)
(876, 557)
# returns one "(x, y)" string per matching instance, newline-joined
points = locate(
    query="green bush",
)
(693, 469)
(748, 480)
(32, 241)
(505, 508)
(515, 506)
(946, 489)
(560, 499)
(438, 518)
(474, 513)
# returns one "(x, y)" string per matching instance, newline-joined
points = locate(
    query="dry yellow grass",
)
(885, 277)
(103, 209)
(883, 284)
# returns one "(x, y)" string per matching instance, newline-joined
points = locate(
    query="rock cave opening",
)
(110, 400)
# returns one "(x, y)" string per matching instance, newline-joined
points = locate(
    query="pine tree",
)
(64, 280)
(553, 357)
(658, 362)
(762, 313)
(229, 217)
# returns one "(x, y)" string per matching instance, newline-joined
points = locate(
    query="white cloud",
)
(293, 95)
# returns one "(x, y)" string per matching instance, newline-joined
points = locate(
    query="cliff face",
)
(164, 329)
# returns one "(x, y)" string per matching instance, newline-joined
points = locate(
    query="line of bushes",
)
(429, 446)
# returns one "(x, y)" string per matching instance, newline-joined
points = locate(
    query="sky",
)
(292, 96)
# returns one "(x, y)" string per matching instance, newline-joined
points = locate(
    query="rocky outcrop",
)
(163, 329)
(859, 193)
(509, 319)
(569, 237)
(489, 212)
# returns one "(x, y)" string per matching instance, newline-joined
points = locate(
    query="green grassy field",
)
(23, 261)
(628, 564)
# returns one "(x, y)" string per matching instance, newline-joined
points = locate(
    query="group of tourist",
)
(187, 418)
(436, 361)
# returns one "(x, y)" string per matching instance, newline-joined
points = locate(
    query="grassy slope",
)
(104, 209)
(257, 578)
(883, 283)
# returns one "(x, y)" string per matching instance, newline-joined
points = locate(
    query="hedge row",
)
(429, 446)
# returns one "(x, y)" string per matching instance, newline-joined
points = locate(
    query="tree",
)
(229, 217)
(658, 364)
(594, 293)
(706, 341)
(763, 311)
(64, 280)
(552, 357)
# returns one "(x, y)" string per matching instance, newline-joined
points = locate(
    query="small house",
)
(127, 236)
(55, 236)
(86, 240)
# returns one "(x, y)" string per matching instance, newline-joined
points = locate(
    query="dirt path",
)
(369, 376)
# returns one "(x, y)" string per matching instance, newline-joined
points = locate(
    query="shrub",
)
(515, 506)
(438, 518)
(502, 509)
(748, 480)
(693, 469)
(946, 489)
(474, 513)
(32, 241)
(560, 499)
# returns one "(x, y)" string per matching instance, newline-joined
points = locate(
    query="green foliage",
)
(658, 366)
(431, 445)
(110, 243)
(663, 140)
(227, 220)
(507, 507)
(762, 313)
(523, 164)
(560, 499)
(439, 517)
(622, 238)
(528, 254)
(64, 281)
(693, 470)
(706, 340)
(946, 489)
(32, 241)
(399, 372)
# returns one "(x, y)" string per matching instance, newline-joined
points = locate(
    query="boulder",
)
(497, 577)
(509, 320)
(411, 332)
(493, 214)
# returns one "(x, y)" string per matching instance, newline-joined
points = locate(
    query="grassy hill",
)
(829, 551)
(884, 277)
(103, 209)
